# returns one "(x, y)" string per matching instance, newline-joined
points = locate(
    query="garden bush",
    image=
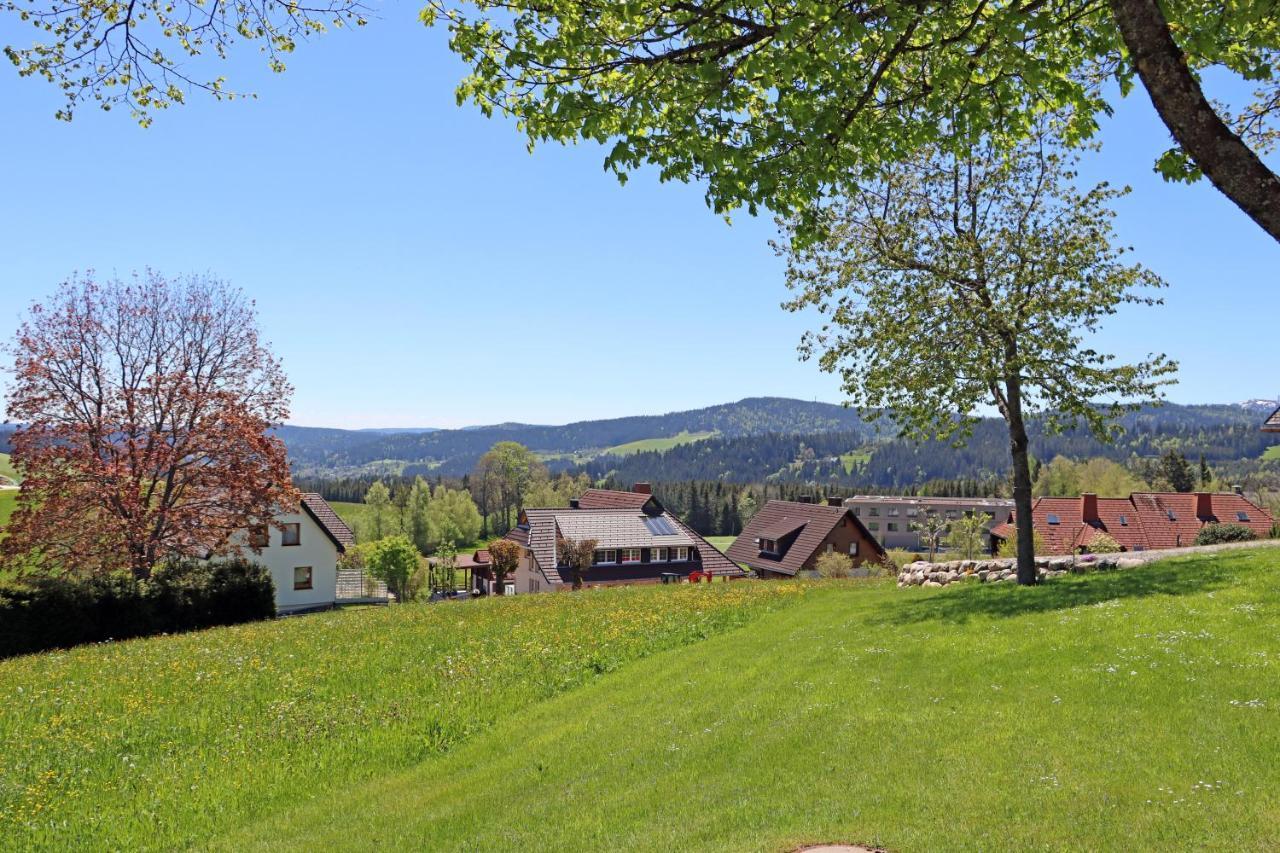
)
(1212, 534)
(45, 612)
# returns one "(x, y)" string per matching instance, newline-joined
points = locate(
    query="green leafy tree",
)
(777, 104)
(959, 280)
(504, 558)
(444, 570)
(968, 535)
(419, 499)
(393, 560)
(452, 517)
(932, 528)
(510, 469)
(378, 499)
(578, 556)
(1064, 478)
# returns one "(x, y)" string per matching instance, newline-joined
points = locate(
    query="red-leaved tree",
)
(144, 409)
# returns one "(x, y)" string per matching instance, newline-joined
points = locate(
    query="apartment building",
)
(892, 519)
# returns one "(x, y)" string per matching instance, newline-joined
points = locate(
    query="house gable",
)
(803, 531)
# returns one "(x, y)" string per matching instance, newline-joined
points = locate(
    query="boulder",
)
(931, 583)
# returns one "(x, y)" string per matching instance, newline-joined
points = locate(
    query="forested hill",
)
(454, 452)
(1225, 435)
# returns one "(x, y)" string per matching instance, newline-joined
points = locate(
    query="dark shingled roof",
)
(323, 514)
(1272, 423)
(814, 521)
(539, 530)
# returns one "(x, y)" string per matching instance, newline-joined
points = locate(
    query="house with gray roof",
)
(637, 541)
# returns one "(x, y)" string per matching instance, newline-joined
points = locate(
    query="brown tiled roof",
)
(329, 522)
(782, 527)
(1149, 520)
(613, 499)
(1272, 424)
(815, 522)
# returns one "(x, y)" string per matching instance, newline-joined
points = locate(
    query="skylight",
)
(1124, 521)
(1243, 516)
(1173, 516)
(659, 526)
(1053, 518)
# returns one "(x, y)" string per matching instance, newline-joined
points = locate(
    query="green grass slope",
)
(665, 443)
(1272, 453)
(173, 741)
(8, 500)
(1135, 710)
(7, 470)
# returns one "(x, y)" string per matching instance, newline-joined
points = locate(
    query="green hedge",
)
(41, 613)
(1212, 534)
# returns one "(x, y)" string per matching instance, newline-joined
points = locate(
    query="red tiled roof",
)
(613, 499)
(1272, 424)
(333, 526)
(814, 521)
(1148, 520)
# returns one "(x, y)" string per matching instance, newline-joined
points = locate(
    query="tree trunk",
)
(1019, 449)
(1225, 159)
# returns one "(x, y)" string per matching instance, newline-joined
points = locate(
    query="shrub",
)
(833, 564)
(1212, 534)
(899, 557)
(393, 560)
(1009, 547)
(44, 612)
(1104, 543)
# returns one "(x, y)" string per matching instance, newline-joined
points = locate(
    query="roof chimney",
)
(642, 489)
(805, 499)
(835, 501)
(1089, 507)
(1204, 505)
(574, 503)
(1239, 490)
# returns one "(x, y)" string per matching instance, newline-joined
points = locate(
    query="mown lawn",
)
(6, 468)
(173, 741)
(1135, 710)
(8, 500)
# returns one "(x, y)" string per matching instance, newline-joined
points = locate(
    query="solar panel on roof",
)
(659, 526)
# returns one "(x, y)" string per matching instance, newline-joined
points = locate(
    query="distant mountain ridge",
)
(455, 452)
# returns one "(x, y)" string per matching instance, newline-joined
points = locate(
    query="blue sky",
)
(415, 266)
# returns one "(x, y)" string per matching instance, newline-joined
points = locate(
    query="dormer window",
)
(768, 546)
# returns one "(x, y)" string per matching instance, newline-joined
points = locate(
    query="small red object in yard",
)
(695, 576)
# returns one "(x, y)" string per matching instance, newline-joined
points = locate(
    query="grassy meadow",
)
(1272, 453)
(664, 443)
(7, 471)
(8, 500)
(1132, 710)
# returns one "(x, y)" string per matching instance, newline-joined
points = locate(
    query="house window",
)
(873, 525)
(1124, 521)
(630, 555)
(853, 549)
(259, 537)
(892, 527)
(657, 555)
(875, 512)
(680, 554)
(302, 577)
(893, 512)
(509, 589)
(769, 546)
(606, 556)
(1242, 516)
(291, 534)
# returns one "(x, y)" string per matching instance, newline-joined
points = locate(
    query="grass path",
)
(1135, 710)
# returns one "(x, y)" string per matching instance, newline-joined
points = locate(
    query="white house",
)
(301, 550)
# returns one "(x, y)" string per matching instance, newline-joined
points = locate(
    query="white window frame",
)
(768, 546)
(658, 555)
(627, 553)
(606, 556)
(681, 554)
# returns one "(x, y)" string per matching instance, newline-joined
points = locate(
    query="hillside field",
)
(8, 499)
(1132, 710)
(1272, 453)
(665, 443)
(6, 468)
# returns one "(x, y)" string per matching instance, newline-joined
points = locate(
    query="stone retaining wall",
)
(923, 573)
